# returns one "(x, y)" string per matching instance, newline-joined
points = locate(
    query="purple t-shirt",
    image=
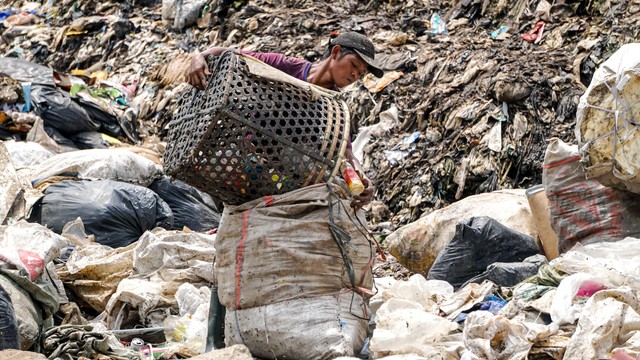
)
(298, 68)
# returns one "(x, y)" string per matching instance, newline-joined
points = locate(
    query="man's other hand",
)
(365, 197)
(198, 71)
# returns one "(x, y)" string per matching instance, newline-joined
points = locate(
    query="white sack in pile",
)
(608, 122)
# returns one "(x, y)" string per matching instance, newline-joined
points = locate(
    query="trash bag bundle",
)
(60, 112)
(191, 207)
(313, 244)
(478, 243)
(116, 213)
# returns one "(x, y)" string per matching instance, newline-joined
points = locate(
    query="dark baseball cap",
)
(362, 46)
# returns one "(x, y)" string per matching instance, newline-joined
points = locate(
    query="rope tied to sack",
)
(343, 240)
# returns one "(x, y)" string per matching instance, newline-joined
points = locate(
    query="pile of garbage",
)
(480, 100)
(472, 89)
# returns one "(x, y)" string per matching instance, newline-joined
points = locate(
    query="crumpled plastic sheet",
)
(93, 272)
(10, 186)
(162, 261)
(466, 298)
(612, 264)
(618, 262)
(490, 336)
(610, 320)
(409, 321)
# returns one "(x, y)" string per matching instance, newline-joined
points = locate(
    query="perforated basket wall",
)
(255, 131)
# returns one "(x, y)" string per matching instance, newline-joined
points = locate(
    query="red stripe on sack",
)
(562, 162)
(268, 200)
(240, 255)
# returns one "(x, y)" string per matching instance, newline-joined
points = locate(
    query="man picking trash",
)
(347, 58)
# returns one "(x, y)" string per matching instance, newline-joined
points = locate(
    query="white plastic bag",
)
(191, 299)
(563, 311)
(428, 293)
(190, 328)
(191, 333)
(187, 12)
(491, 336)
(100, 164)
(403, 327)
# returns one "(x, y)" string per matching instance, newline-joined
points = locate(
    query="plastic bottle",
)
(351, 177)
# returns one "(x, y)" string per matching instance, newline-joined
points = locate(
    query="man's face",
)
(347, 69)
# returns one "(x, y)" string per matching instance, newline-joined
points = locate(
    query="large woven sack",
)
(417, 245)
(584, 211)
(608, 129)
(281, 248)
(323, 327)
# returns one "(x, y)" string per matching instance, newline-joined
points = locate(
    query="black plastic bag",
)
(9, 335)
(108, 122)
(117, 213)
(191, 207)
(60, 139)
(478, 243)
(510, 273)
(58, 110)
(89, 140)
